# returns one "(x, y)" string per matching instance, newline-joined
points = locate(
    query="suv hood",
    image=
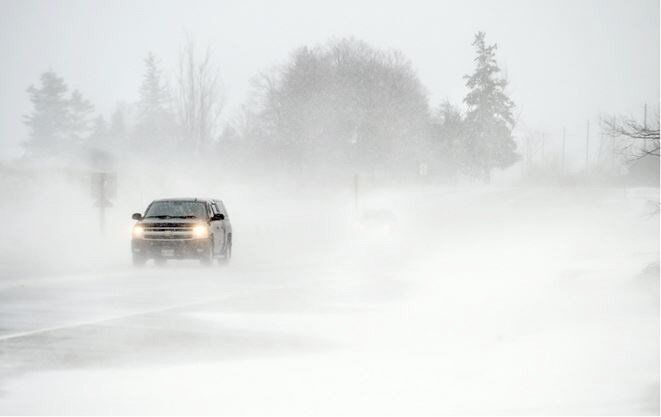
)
(170, 222)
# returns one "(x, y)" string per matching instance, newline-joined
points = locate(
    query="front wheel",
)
(207, 257)
(139, 260)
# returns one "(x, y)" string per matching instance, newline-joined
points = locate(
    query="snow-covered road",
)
(480, 301)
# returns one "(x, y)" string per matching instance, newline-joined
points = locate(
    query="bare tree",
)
(343, 101)
(640, 139)
(199, 97)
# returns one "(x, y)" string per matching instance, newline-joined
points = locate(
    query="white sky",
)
(567, 61)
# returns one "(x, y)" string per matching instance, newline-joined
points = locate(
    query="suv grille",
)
(168, 231)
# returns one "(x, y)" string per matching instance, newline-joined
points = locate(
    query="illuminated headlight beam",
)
(201, 231)
(138, 231)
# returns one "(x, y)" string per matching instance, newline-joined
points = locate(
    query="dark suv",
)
(182, 228)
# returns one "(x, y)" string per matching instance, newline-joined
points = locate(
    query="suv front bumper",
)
(170, 248)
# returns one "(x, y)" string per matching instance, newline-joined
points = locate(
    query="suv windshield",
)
(178, 209)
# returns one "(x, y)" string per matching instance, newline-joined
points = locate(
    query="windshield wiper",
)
(188, 216)
(162, 216)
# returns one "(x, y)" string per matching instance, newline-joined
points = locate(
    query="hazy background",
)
(566, 61)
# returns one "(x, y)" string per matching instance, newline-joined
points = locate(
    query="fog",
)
(422, 222)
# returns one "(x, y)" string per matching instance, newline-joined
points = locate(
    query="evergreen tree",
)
(154, 124)
(489, 121)
(118, 126)
(448, 131)
(57, 123)
(100, 132)
(48, 122)
(79, 118)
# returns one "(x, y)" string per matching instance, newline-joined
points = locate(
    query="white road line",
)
(118, 317)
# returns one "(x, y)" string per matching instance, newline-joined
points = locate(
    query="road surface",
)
(479, 302)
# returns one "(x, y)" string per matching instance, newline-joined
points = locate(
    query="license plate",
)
(167, 252)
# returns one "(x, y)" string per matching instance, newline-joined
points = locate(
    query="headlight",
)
(138, 231)
(200, 231)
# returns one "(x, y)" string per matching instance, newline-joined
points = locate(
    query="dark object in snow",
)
(182, 228)
(381, 222)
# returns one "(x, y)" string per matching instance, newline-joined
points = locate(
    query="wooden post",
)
(587, 146)
(564, 148)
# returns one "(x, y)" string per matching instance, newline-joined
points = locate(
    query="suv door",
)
(227, 225)
(217, 230)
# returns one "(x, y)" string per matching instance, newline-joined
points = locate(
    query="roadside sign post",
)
(104, 188)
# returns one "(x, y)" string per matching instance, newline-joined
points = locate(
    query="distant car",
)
(182, 228)
(376, 223)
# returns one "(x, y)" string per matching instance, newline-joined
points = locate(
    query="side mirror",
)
(218, 216)
(136, 216)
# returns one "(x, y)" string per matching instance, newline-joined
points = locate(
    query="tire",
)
(207, 258)
(227, 254)
(139, 261)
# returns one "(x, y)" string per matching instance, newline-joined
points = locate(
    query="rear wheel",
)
(227, 253)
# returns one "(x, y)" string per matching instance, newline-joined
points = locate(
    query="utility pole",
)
(645, 142)
(613, 151)
(102, 203)
(564, 147)
(103, 188)
(587, 146)
(527, 154)
(355, 192)
(645, 117)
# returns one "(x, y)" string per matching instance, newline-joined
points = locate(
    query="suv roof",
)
(187, 199)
